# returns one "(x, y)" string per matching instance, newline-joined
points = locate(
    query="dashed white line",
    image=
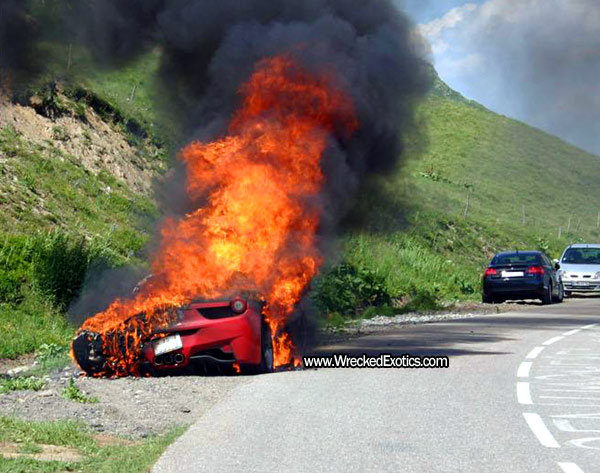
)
(534, 353)
(553, 340)
(570, 468)
(523, 394)
(524, 368)
(571, 332)
(539, 429)
(588, 326)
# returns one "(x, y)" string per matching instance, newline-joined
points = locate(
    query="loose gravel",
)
(131, 407)
(139, 407)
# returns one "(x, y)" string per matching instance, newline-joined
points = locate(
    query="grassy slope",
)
(74, 200)
(418, 235)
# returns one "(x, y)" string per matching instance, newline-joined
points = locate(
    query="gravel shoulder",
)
(130, 407)
(139, 407)
(463, 310)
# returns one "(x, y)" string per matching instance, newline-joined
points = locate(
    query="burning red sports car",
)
(223, 332)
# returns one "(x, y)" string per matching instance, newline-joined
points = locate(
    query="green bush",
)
(54, 264)
(21, 384)
(423, 299)
(59, 267)
(348, 289)
(27, 326)
(15, 262)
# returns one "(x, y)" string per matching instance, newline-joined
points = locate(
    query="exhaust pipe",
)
(179, 358)
(168, 359)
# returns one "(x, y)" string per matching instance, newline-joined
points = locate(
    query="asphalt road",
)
(522, 394)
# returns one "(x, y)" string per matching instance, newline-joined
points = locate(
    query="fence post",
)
(70, 58)
(466, 212)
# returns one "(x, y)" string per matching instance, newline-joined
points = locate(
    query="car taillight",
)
(238, 306)
(490, 272)
(535, 270)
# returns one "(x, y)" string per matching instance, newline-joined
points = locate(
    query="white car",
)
(580, 268)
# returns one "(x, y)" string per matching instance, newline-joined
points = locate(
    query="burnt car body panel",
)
(236, 334)
(209, 332)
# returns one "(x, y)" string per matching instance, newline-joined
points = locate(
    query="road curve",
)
(522, 394)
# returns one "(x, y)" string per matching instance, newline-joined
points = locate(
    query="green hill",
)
(413, 231)
(77, 158)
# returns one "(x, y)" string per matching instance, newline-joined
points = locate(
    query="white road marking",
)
(553, 340)
(524, 368)
(570, 468)
(567, 426)
(571, 332)
(565, 404)
(539, 429)
(523, 394)
(578, 397)
(588, 326)
(534, 353)
(583, 443)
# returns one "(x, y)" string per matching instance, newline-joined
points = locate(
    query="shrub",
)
(347, 289)
(21, 383)
(59, 267)
(15, 262)
(424, 298)
(73, 393)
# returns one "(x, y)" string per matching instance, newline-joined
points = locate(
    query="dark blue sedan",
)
(522, 275)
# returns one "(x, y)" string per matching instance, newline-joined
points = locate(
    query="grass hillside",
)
(412, 233)
(78, 156)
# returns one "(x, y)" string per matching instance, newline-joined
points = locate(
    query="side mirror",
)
(556, 265)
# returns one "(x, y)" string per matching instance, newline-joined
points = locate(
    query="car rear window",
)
(518, 258)
(582, 256)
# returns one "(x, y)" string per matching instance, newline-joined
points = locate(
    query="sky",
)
(534, 60)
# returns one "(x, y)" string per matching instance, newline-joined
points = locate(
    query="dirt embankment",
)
(100, 146)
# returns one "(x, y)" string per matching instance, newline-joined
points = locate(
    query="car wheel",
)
(568, 293)
(266, 364)
(547, 297)
(487, 299)
(561, 294)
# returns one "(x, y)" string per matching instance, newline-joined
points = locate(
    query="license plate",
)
(581, 284)
(512, 274)
(167, 345)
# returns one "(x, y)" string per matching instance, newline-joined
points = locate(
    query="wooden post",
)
(559, 232)
(466, 212)
(132, 96)
(569, 225)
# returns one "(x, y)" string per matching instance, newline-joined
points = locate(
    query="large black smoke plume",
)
(210, 47)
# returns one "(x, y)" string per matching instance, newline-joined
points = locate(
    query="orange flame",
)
(258, 211)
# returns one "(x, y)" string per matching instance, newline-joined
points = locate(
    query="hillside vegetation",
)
(79, 153)
(78, 158)
(419, 242)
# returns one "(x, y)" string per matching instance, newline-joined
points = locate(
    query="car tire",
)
(561, 294)
(547, 297)
(568, 293)
(266, 364)
(487, 299)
